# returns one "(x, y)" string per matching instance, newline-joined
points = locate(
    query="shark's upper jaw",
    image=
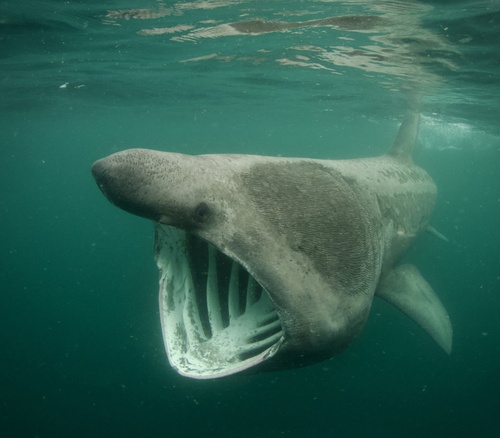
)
(216, 319)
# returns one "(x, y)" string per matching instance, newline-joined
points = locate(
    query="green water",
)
(82, 353)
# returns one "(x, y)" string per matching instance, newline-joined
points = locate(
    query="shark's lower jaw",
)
(216, 319)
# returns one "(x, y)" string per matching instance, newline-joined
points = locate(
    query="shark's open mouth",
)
(216, 319)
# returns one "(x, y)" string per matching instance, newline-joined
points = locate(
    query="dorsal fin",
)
(407, 137)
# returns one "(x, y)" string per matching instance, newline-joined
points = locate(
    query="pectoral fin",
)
(405, 288)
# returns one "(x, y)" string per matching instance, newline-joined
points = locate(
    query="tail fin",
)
(407, 137)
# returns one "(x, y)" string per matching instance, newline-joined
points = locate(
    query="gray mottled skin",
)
(318, 235)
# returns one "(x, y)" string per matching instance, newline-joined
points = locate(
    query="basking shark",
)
(273, 262)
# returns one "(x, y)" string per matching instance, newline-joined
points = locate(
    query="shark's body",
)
(297, 250)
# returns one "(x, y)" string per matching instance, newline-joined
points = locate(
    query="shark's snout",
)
(98, 168)
(111, 178)
(128, 180)
(111, 175)
(99, 172)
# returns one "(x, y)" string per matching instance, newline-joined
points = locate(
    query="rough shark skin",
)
(274, 262)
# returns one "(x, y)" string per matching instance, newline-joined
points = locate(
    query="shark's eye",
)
(201, 212)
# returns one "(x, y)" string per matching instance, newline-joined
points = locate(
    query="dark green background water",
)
(81, 348)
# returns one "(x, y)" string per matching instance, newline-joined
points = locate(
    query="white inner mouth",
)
(216, 319)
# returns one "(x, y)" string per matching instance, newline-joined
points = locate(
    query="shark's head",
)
(261, 259)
